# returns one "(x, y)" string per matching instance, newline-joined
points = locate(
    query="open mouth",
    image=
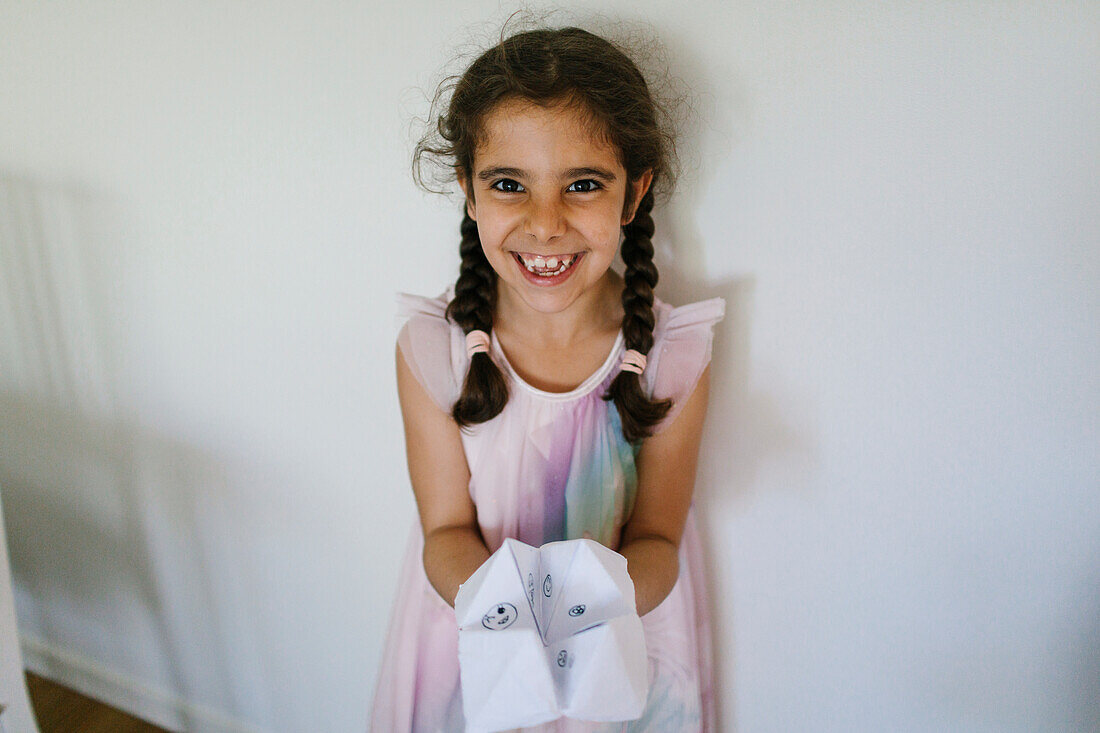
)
(547, 269)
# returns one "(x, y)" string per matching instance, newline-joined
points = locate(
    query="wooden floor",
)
(61, 710)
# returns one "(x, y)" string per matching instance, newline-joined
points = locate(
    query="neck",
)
(595, 312)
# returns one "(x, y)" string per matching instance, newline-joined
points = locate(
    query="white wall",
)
(205, 209)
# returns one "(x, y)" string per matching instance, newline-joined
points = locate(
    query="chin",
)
(547, 302)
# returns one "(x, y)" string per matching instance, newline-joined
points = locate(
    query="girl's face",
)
(548, 198)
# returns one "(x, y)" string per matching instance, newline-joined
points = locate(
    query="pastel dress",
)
(550, 466)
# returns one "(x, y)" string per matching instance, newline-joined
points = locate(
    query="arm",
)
(453, 547)
(666, 477)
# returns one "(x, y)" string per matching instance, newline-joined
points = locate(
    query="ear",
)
(637, 189)
(471, 209)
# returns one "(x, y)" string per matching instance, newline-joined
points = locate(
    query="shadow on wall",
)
(104, 517)
(745, 429)
(95, 513)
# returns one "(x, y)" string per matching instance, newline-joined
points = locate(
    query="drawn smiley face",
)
(500, 616)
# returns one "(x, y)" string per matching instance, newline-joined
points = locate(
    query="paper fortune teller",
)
(548, 632)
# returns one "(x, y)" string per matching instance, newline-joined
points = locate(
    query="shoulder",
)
(423, 318)
(683, 338)
(433, 346)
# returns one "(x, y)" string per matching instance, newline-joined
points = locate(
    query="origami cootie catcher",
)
(548, 632)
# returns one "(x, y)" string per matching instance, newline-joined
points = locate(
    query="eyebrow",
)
(590, 173)
(489, 174)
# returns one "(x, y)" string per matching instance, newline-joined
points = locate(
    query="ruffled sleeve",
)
(433, 347)
(682, 340)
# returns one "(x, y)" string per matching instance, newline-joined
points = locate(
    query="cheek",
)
(605, 233)
(608, 228)
(494, 228)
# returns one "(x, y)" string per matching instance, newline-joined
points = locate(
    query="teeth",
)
(542, 262)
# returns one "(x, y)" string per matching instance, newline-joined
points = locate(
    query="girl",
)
(545, 396)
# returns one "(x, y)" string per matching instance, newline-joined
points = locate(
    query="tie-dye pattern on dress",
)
(551, 466)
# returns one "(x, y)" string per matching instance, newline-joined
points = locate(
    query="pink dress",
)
(550, 466)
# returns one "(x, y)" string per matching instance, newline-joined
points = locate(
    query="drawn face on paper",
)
(500, 616)
(547, 587)
(576, 610)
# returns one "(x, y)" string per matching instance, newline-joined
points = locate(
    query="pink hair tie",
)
(477, 342)
(633, 361)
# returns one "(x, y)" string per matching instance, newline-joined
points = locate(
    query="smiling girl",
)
(545, 396)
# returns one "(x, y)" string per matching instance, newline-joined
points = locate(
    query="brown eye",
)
(507, 185)
(586, 186)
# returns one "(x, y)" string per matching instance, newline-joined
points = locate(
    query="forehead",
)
(521, 134)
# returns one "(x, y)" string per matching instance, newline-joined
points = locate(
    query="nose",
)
(545, 219)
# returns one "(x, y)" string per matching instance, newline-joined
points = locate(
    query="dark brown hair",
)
(549, 67)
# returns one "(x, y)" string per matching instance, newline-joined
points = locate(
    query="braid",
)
(637, 412)
(484, 391)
